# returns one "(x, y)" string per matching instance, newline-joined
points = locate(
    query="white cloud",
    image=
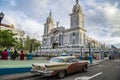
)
(12, 2)
(102, 20)
(37, 5)
(31, 27)
(111, 12)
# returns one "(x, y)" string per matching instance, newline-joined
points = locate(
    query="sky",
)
(102, 17)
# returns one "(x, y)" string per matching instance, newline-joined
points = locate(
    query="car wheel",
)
(84, 69)
(61, 74)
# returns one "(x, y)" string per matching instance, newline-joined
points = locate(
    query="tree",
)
(34, 45)
(19, 45)
(31, 44)
(27, 44)
(7, 39)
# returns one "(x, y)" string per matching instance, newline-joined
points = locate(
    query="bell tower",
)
(49, 24)
(77, 17)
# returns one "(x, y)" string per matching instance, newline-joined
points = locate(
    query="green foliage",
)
(19, 45)
(27, 44)
(31, 44)
(6, 39)
(34, 44)
(65, 51)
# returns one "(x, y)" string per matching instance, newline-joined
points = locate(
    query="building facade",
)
(57, 38)
(19, 35)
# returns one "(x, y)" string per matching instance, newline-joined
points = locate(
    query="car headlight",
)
(33, 65)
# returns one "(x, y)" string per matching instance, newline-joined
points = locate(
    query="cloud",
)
(22, 22)
(102, 21)
(102, 18)
(12, 2)
(111, 12)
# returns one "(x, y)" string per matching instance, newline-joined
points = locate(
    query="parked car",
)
(60, 66)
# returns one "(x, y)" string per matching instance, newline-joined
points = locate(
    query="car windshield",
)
(71, 60)
(58, 60)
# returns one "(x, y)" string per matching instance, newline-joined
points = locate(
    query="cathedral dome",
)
(77, 7)
(49, 18)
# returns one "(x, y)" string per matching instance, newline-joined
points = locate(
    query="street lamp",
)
(89, 45)
(89, 48)
(81, 49)
(1, 17)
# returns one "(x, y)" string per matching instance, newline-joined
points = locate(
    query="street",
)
(107, 70)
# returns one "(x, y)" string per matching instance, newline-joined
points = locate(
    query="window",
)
(73, 34)
(73, 41)
(71, 60)
(58, 60)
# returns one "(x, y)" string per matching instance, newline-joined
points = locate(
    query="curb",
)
(97, 63)
(19, 76)
(93, 64)
(6, 71)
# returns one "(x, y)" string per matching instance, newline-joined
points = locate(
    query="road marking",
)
(88, 78)
(95, 75)
(117, 60)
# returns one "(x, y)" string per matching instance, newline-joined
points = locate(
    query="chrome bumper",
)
(41, 73)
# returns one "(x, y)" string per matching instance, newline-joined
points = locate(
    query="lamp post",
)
(81, 50)
(89, 45)
(1, 17)
(89, 48)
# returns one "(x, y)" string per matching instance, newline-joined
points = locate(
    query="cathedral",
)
(55, 37)
(74, 39)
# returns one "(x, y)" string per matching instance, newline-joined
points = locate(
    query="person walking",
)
(22, 55)
(4, 55)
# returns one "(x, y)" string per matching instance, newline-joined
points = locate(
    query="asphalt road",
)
(107, 70)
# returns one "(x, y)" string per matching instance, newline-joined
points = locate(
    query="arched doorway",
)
(55, 45)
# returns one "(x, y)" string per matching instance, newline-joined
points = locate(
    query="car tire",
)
(61, 74)
(84, 69)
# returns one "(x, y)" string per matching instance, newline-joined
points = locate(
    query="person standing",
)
(4, 55)
(9, 52)
(22, 55)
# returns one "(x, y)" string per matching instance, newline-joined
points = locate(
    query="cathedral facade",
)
(74, 37)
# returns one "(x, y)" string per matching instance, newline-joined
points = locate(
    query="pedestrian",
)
(9, 52)
(4, 55)
(16, 54)
(30, 56)
(22, 55)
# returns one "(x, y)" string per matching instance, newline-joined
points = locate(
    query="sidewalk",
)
(95, 62)
(28, 74)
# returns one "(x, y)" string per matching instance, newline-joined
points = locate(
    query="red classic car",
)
(59, 66)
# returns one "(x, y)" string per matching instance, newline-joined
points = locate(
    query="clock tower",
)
(77, 17)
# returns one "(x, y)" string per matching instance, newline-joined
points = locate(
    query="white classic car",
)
(59, 66)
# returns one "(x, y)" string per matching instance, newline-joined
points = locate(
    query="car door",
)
(73, 66)
(79, 66)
